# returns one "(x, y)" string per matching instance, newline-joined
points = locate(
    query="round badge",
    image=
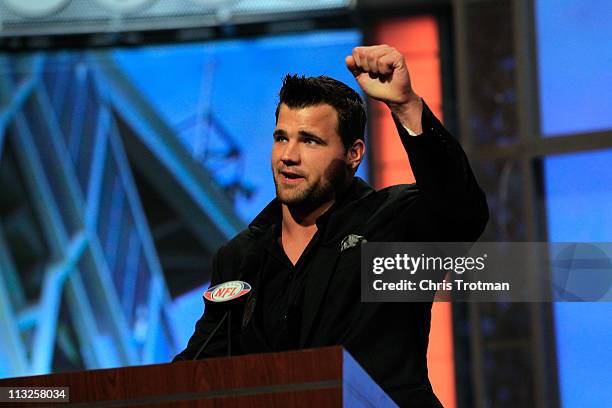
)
(227, 291)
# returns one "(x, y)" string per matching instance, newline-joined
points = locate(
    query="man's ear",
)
(354, 154)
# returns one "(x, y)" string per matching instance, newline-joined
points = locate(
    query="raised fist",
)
(382, 73)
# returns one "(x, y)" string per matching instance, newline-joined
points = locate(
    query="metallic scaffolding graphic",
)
(81, 283)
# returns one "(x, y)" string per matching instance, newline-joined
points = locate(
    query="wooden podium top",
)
(325, 377)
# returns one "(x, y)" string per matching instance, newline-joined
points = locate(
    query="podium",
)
(324, 377)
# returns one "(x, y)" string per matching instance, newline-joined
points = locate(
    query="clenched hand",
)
(382, 73)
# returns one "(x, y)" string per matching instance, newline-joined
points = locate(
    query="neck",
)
(298, 229)
(297, 221)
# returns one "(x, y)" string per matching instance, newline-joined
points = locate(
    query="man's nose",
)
(291, 153)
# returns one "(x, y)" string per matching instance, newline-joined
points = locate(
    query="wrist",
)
(409, 113)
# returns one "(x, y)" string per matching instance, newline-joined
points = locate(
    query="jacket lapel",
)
(251, 270)
(317, 284)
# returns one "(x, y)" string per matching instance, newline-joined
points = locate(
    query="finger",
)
(390, 62)
(357, 56)
(372, 56)
(366, 58)
(352, 65)
(383, 66)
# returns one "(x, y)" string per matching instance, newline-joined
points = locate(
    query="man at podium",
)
(301, 254)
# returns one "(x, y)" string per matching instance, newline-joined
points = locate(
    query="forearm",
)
(442, 170)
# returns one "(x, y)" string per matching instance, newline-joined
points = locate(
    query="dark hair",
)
(301, 92)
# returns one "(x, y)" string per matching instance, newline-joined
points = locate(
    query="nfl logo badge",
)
(227, 291)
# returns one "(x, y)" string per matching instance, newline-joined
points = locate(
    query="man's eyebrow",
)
(302, 133)
(305, 134)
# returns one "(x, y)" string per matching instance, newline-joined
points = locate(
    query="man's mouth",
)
(291, 177)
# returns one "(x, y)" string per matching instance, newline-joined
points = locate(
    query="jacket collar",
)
(327, 255)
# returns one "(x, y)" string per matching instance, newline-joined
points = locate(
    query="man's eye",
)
(311, 141)
(280, 138)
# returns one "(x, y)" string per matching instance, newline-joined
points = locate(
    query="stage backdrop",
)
(575, 79)
(122, 170)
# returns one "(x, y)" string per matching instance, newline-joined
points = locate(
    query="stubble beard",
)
(310, 196)
(302, 195)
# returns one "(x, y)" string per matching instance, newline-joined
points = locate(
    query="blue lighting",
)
(575, 56)
(578, 203)
(103, 280)
(574, 60)
(237, 82)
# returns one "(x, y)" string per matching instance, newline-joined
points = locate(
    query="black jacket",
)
(389, 340)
